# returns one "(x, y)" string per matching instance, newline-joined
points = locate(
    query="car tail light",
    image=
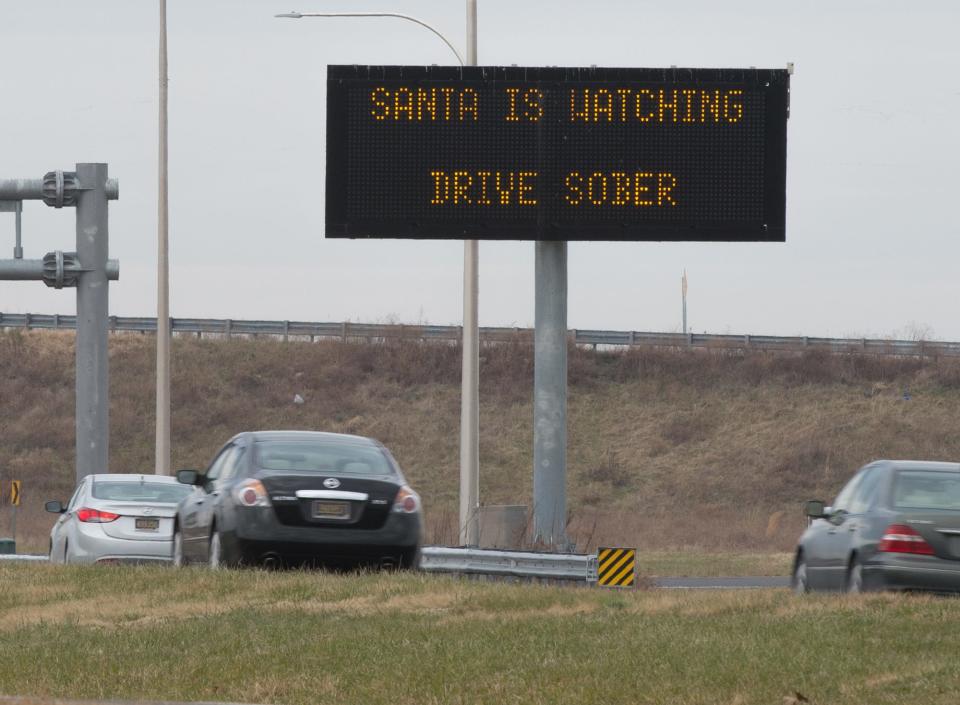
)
(95, 516)
(252, 493)
(901, 538)
(407, 501)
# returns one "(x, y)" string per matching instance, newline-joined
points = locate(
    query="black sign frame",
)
(344, 221)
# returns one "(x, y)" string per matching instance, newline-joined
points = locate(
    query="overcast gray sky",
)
(872, 182)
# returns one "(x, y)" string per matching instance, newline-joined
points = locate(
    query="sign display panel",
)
(518, 153)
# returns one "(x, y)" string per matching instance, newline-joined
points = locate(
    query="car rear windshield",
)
(323, 457)
(169, 492)
(926, 489)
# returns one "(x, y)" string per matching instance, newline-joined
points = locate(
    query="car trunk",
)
(302, 498)
(143, 521)
(941, 529)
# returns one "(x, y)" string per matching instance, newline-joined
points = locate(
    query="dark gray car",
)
(895, 525)
(281, 497)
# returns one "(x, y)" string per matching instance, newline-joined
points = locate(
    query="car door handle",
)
(853, 527)
(215, 493)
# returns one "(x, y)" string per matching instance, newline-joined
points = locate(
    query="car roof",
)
(308, 436)
(935, 465)
(130, 477)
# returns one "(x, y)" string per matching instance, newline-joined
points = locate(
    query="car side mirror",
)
(188, 477)
(815, 509)
(54, 507)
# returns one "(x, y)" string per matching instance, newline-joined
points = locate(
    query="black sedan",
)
(295, 497)
(894, 526)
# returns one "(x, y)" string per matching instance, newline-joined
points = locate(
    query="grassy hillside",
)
(666, 448)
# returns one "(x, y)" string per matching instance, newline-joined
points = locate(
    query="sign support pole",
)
(550, 395)
(93, 404)
(88, 269)
(470, 379)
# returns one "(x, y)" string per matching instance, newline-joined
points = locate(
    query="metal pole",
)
(550, 396)
(18, 247)
(398, 15)
(684, 290)
(93, 407)
(162, 452)
(470, 379)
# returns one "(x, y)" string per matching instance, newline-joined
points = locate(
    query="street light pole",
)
(470, 377)
(162, 452)
(469, 532)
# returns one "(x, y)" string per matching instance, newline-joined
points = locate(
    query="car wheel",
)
(410, 560)
(215, 554)
(177, 548)
(800, 584)
(855, 577)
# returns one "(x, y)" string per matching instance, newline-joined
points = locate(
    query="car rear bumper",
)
(254, 542)
(904, 572)
(92, 545)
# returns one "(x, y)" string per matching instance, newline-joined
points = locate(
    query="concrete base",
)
(503, 526)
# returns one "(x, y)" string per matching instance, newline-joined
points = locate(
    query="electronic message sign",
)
(556, 153)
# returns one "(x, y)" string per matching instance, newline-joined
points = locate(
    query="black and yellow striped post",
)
(617, 567)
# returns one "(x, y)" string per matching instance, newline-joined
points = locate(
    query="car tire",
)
(177, 549)
(410, 560)
(799, 581)
(215, 552)
(854, 584)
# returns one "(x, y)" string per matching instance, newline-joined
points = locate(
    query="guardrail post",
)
(286, 330)
(228, 328)
(26, 322)
(343, 332)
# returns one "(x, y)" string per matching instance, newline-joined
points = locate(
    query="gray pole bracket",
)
(61, 269)
(60, 188)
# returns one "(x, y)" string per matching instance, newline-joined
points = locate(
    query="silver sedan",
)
(116, 518)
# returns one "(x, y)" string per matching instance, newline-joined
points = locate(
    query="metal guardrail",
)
(478, 561)
(520, 564)
(220, 327)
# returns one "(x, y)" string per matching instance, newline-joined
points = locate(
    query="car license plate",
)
(330, 510)
(146, 524)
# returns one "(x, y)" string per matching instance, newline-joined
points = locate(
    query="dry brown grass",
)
(679, 448)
